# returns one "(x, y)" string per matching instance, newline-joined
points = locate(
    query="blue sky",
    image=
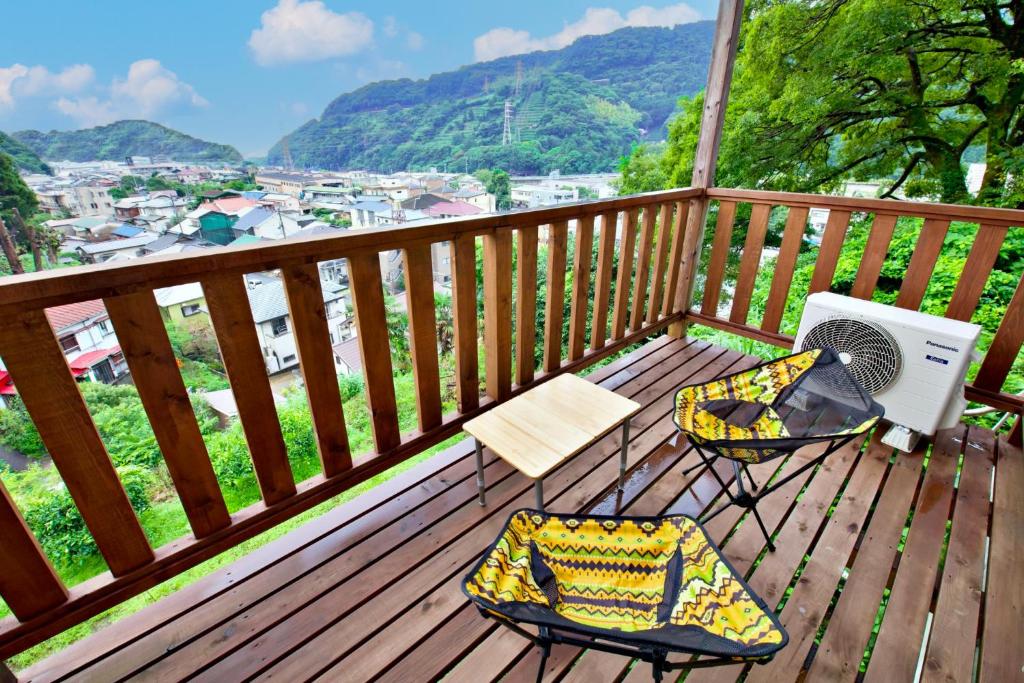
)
(245, 73)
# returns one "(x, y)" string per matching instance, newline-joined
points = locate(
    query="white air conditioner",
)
(912, 363)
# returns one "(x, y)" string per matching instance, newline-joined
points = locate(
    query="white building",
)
(532, 196)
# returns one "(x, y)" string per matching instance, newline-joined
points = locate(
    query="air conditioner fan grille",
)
(871, 353)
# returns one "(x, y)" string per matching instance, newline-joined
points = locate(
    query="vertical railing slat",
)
(874, 256)
(660, 256)
(750, 262)
(719, 255)
(243, 359)
(580, 286)
(143, 339)
(375, 349)
(828, 251)
(675, 258)
(554, 304)
(308, 315)
(526, 303)
(28, 583)
(419, 282)
(643, 267)
(785, 265)
(498, 313)
(603, 279)
(980, 261)
(44, 382)
(1005, 345)
(623, 279)
(922, 263)
(467, 366)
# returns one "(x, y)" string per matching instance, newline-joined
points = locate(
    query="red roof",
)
(71, 314)
(90, 358)
(227, 204)
(6, 384)
(453, 209)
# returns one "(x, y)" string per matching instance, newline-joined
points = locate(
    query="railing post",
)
(716, 96)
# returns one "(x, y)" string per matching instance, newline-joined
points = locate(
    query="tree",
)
(498, 183)
(872, 89)
(14, 193)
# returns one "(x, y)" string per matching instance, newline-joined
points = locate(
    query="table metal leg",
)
(624, 453)
(538, 493)
(480, 484)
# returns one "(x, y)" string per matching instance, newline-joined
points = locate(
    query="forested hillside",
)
(577, 109)
(24, 157)
(121, 139)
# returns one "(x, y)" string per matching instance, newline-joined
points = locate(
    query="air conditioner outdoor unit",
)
(912, 363)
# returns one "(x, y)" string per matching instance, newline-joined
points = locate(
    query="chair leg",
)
(545, 649)
(702, 463)
(658, 666)
(750, 477)
(764, 529)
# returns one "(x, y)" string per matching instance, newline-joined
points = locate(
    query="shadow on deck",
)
(371, 589)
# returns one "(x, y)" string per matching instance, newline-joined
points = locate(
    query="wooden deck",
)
(371, 589)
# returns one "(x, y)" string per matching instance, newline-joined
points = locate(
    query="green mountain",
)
(578, 109)
(122, 139)
(24, 158)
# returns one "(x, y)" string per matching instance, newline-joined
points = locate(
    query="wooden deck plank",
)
(341, 528)
(849, 628)
(1002, 645)
(954, 633)
(899, 639)
(339, 587)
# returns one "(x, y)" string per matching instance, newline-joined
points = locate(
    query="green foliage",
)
(577, 109)
(17, 431)
(885, 90)
(24, 158)
(497, 183)
(123, 139)
(14, 193)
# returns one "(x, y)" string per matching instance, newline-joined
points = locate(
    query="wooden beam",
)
(375, 349)
(240, 350)
(308, 315)
(660, 254)
(643, 267)
(526, 303)
(498, 313)
(705, 161)
(49, 391)
(785, 265)
(143, 338)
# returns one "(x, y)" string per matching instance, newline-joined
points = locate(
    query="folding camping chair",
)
(643, 587)
(769, 411)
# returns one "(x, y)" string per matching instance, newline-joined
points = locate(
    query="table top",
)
(543, 427)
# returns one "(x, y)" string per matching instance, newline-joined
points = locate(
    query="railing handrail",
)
(986, 215)
(83, 283)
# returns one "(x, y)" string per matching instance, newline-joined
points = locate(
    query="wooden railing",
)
(649, 244)
(993, 226)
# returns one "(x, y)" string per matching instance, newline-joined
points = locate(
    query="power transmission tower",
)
(519, 76)
(487, 83)
(506, 133)
(286, 154)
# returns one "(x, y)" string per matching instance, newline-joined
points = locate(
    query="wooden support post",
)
(716, 97)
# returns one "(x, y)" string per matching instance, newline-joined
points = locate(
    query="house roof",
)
(453, 209)
(125, 230)
(169, 296)
(162, 242)
(244, 239)
(250, 219)
(65, 316)
(89, 222)
(348, 352)
(227, 204)
(6, 384)
(422, 201)
(268, 300)
(117, 245)
(91, 358)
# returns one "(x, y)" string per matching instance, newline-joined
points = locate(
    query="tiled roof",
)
(252, 218)
(70, 314)
(91, 358)
(348, 352)
(227, 204)
(422, 201)
(454, 209)
(117, 245)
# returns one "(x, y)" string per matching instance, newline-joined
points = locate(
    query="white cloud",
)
(501, 42)
(18, 80)
(390, 27)
(147, 90)
(414, 41)
(297, 31)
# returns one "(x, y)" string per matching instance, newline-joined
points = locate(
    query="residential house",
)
(128, 208)
(87, 338)
(370, 214)
(285, 182)
(532, 196)
(116, 249)
(273, 324)
(57, 201)
(126, 231)
(182, 303)
(93, 198)
(280, 201)
(482, 199)
(217, 217)
(454, 209)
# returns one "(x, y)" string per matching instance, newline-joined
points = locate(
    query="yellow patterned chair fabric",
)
(657, 581)
(776, 407)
